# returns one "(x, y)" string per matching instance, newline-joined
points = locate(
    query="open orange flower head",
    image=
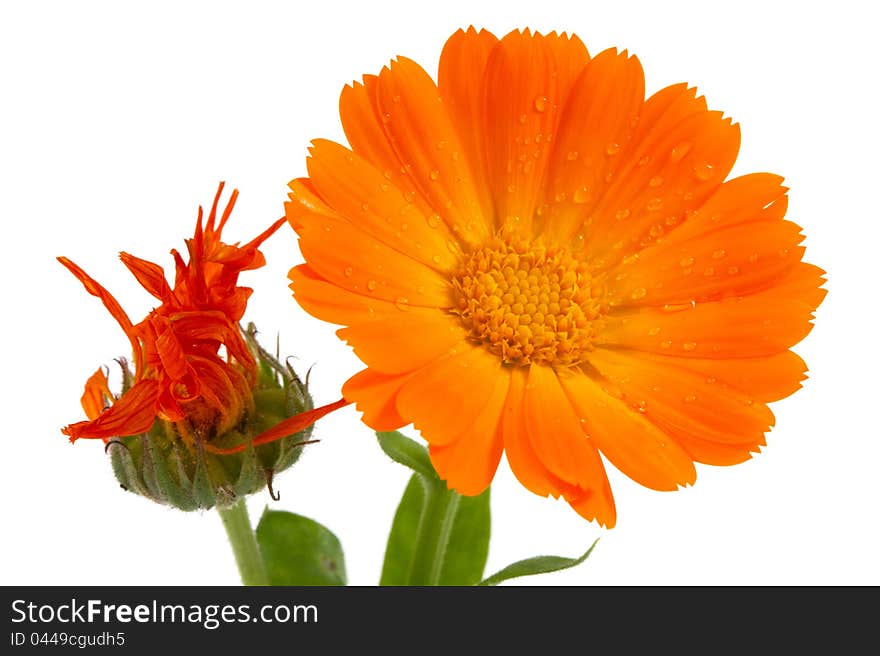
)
(532, 258)
(206, 415)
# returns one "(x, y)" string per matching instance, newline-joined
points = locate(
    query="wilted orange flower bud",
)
(207, 415)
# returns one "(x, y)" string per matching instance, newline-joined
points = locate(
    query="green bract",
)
(167, 469)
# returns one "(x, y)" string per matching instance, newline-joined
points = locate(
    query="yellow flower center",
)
(528, 303)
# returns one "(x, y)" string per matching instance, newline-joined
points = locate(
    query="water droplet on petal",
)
(704, 172)
(690, 398)
(348, 271)
(686, 261)
(653, 331)
(371, 285)
(656, 181)
(678, 153)
(717, 255)
(732, 271)
(638, 292)
(612, 149)
(522, 119)
(441, 145)
(581, 195)
(572, 155)
(654, 204)
(401, 303)
(689, 346)
(434, 220)
(434, 174)
(540, 103)
(620, 215)
(665, 343)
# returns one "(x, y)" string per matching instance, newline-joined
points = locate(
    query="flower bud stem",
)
(244, 543)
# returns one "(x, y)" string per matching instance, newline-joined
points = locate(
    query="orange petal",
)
(149, 275)
(404, 342)
(133, 413)
(763, 379)
(375, 395)
(96, 395)
(348, 257)
(460, 81)
(732, 261)
(683, 402)
(469, 463)
(597, 121)
(635, 446)
(364, 127)
(556, 434)
(758, 325)
(424, 138)
(752, 197)
(521, 456)
(445, 397)
(285, 428)
(357, 190)
(324, 300)
(96, 289)
(685, 164)
(527, 81)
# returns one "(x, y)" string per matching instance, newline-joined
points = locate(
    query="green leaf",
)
(468, 546)
(408, 453)
(299, 551)
(401, 546)
(536, 565)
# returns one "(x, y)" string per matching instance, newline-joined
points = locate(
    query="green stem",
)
(433, 535)
(244, 543)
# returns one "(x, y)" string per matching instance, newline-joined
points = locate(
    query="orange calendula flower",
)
(179, 372)
(532, 258)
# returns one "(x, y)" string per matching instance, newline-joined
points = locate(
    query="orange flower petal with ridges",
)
(350, 258)
(676, 399)
(460, 82)
(603, 290)
(607, 97)
(556, 433)
(375, 395)
(469, 463)
(134, 412)
(527, 81)
(419, 396)
(426, 142)
(326, 301)
(524, 462)
(723, 263)
(365, 130)
(632, 444)
(751, 326)
(342, 177)
(645, 202)
(96, 395)
(412, 339)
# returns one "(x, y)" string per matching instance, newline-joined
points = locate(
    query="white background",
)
(117, 119)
